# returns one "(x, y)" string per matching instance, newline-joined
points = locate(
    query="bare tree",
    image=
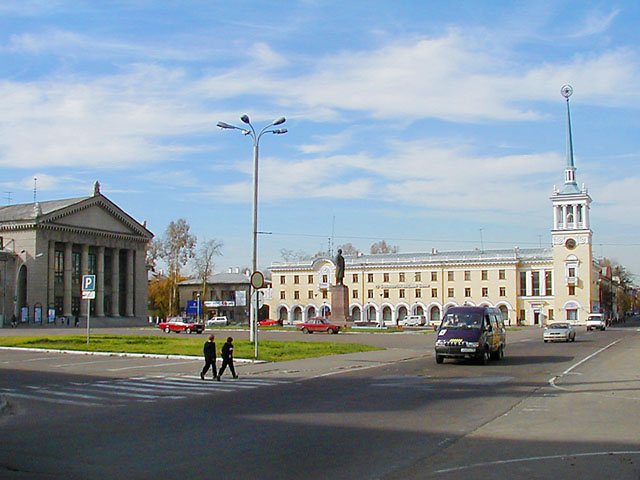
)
(177, 248)
(203, 261)
(348, 249)
(154, 249)
(291, 256)
(382, 247)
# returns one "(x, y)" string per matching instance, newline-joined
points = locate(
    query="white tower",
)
(572, 240)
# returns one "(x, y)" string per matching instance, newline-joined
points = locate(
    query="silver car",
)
(559, 331)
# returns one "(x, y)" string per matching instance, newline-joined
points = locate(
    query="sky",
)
(427, 124)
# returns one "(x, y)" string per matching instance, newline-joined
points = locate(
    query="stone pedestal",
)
(340, 305)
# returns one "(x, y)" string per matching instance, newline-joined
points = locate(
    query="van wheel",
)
(439, 358)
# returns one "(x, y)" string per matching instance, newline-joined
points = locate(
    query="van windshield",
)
(462, 320)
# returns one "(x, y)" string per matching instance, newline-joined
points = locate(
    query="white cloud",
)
(595, 22)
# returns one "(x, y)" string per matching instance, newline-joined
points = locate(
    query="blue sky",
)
(427, 124)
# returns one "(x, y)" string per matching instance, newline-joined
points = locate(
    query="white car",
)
(596, 321)
(413, 321)
(217, 322)
(559, 331)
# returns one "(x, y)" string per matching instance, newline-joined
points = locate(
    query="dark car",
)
(471, 333)
(181, 324)
(318, 324)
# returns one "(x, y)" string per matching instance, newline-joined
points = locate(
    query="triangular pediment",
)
(95, 214)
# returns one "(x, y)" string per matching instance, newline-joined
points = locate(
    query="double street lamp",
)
(255, 136)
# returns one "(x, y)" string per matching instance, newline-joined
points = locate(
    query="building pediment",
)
(95, 214)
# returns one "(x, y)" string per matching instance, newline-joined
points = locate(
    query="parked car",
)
(596, 321)
(317, 324)
(217, 322)
(181, 324)
(559, 331)
(413, 321)
(471, 332)
(268, 322)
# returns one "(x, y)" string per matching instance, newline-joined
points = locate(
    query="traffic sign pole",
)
(88, 292)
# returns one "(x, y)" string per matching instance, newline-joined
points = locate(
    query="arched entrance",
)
(386, 314)
(356, 314)
(297, 314)
(283, 315)
(505, 312)
(325, 311)
(371, 314)
(402, 313)
(311, 312)
(418, 310)
(434, 315)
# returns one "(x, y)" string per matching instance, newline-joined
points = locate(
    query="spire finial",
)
(96, 188)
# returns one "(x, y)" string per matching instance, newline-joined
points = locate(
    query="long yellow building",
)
(529, 286)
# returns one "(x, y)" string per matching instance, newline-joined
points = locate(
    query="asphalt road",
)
(545, 411)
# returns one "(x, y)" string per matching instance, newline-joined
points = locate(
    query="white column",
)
(115, 282)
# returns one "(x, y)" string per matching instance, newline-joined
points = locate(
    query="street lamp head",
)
(224, 125)
(279, 121)
(280, 131)
(245, 119)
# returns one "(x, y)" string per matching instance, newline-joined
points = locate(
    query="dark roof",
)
(27, 211)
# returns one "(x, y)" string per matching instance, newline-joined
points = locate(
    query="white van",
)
(217, 321)
(413, 321)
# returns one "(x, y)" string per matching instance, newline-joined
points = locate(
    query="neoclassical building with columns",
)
(48, 247)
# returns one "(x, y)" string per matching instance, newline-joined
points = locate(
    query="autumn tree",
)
(177, 248)
(382, 247)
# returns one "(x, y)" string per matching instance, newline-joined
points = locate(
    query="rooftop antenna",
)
(481, 241)
(8, 194)
(35, 188)
(333, 229)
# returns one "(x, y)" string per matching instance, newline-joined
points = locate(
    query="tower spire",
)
(570, 185)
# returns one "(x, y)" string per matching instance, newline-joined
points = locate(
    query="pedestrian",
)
(227, 358)
(209, 357)
(14, 321)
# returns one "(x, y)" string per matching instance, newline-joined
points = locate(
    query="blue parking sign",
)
(88, 282)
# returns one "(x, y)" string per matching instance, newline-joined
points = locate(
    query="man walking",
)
(209, 357)
(227, 358)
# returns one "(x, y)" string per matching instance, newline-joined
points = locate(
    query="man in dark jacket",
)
(209, 357)
(227, 358)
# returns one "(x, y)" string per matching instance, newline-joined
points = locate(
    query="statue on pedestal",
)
(339, 267)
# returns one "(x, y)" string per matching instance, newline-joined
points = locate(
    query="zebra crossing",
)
(121, 392)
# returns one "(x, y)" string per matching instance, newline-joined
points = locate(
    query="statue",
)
(339, 267)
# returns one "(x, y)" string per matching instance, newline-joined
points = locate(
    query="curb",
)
(121, 354)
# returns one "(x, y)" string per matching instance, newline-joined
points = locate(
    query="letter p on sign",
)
(88, 282)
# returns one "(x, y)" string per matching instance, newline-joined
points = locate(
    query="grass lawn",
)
(269, 350)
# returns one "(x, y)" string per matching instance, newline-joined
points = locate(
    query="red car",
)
(318, 324)
(181, 324)
(270, 323)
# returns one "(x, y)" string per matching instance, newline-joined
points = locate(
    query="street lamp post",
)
(253, 302)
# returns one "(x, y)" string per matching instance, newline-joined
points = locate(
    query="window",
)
(310, 294)
(354, 293)
(523, 284)
(467, 292)
(434, 293)
(370, 277)
(283, 280)
(450, 292)
(92, 268)
(370, 293)
(418, 293)
(485, 275)
(401, 277)
(402, 293)
(59, 267)
(450, 276)
(550, 315)
(309, 278)
(485, 292)
(76, 272)
(296, 279)
(355, 278)
(501, 275)
(325, 278)
(522, 316)
(572, 271)
(324, 294)
(434, 276)
(572, 315)
(503, 291)
(418, 277)
(548, 283)
(283, 295)
(296, 295)
(385, 277)
(385, 293)
(535, 284)
(572, 289)
(467, 275)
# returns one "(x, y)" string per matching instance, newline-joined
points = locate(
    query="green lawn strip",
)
(269, 350)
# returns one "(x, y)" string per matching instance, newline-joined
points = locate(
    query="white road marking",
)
(533, 459)
(552, 381)
(54, 400)
(150, 366)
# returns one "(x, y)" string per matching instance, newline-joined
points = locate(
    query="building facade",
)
(49, 246)
(529, 286)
